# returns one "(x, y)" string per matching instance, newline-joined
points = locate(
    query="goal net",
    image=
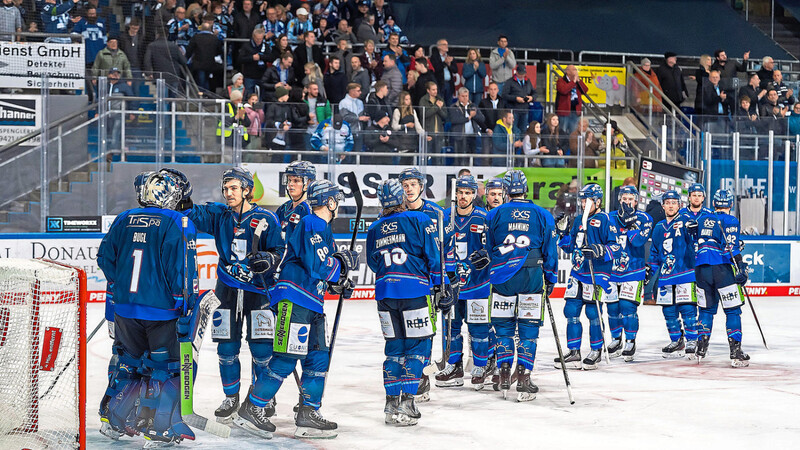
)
(42, 355)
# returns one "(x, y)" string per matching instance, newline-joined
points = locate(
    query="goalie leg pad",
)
(119, 410)
(572, 311)
(159, 404)
(229, 366)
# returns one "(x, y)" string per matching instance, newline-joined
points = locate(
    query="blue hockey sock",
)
(614, 319)
(733, 323)
(267, 386)
(229, 366)
(689, 316)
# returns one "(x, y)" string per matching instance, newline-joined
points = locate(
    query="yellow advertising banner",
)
(606, 84)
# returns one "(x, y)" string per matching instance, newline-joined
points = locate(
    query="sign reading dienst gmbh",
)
(22, 65)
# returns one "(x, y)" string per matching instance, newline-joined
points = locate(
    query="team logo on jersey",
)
(519, 214)
(475, 228)
(294, 218)
(621, 264)
(708, 223)
(669, 264)
(594, 222)
(460, 236)
(389, 228)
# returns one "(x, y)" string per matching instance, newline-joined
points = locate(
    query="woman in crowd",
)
(474, 74)
(553, 141)
(532, 144)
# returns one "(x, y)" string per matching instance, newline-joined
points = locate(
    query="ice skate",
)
(572, 360)
(675, 349)
(526, 390)
(691, 349)
(226, 412)
(506, 379)
(615, 347)
(390, 409)
(738, 357)
(629, 350)
(108, 431)
(483, 375)
(311, 424)
(168, 438)
(592, 359)
(424, 390)
(407, 412)
(702, 348)
(254, 420)
(452, 375)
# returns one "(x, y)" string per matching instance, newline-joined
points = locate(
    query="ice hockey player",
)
(403, 251)
(413, 183)
(494, 193)
(296, 178)
(597, 243)
(672, 255)
(523, 260)
(627, 272)
(473, 299)
(244, 276)
(721, 276)
(697, 196)
(311, 266)
(149, 257)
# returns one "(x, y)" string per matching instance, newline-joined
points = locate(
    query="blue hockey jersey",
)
(470, 236)
(520, 230)
(632, 259)
(289, 217)
(234, 240)
(431, 209)
(56, 17)
(672, 252)
(181, 37)
(308, 264)
(143, 256)
(94, 36)
(717, 239)
(403, 251)
(694, 215)
(600, 231)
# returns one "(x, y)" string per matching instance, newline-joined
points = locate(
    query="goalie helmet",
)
(162, 190)
(138, 185)
(183, 181)
(390, 193)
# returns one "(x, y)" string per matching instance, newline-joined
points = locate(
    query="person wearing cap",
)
(389, 27)
(280, 75)
(110, 57)
(569, 103)
(518, 93)
(237, 84)
(362, 9)
(299, 26)
(671, 78)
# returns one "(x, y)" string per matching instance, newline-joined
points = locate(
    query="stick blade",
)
(199, 422)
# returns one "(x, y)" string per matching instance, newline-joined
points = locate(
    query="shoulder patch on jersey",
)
(254, 222)
(677, 224)
(595, 223)
(475, 228)
(294, 218)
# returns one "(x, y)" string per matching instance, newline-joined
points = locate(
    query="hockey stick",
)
(447, 332)
(558, 346)
(352, 181)
(66, 366)
(187, 359)
(584, 220)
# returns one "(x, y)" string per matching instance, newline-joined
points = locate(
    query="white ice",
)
(650, 403)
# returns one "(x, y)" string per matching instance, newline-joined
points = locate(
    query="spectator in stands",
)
(714, 102)
(700, 75)
(383, 13)
(10, 21)
(166, 58)
(326, 10)
(644, 89)
(257, 117)
(344, 31)
(352, 109)
(245, 20)
(745, 119)
(583, 136)
(132, 44)
(179, 28)
(308, 52)
(281, 119)
(56, 17)
(618, 147)
(222, 20)
(323, 32)
(728, 68)
(343, 53)
(490, 106)
(313, 75)
(785, 95)
(406, 122)
(671, 78)
(372, 61)
(361, 12)
(366, 29)
(237, 84)
(772, 115)
(319, 109)
(360, 76)
(420, 86)
(465, 119)
(401, 56)
(391, 27)
(117, 89)
(254, 60)
(434, 114)
(281, 46)
(445, 70)
(335, 81)
(765, 73)
(519, 94)
(502, 62)
(474, 74)
(203, 50)
(392, 77)
(111, 57)
(332, 134)
(794, 120)
(272, 26)
(753, 92)
(377, 102)
(554, 140)
(379, 138)
(532, 144)
(569, 105)
(236, 118)
(94, 32)
(299, 26)
(505, 134)
(282, 76)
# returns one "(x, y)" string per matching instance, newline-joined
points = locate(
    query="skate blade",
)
(450, 383)
(525, 396)
(616, 354)
(673, 355)
(109, 432)
(252, 429)
(429, 370)
(569, 365)
(423, 398)
(739, 363)
(589, 366)
(228, 420)
(313, 433)
(628, 358)
(505, 394)
(157, 444)
(691, 356)
(402, 420)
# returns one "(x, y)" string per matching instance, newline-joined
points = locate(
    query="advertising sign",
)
(19, 116)
(606, 84)
(22, 65)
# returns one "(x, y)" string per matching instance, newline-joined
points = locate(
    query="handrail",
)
(649, 84)
(695, 59)
(76, 37)
(516, 50)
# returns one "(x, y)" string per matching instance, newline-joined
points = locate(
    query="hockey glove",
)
(264, 262)
(562, 224)
(443, 299)
(348, 258)
(594, 251)
(627, 216)
(110, 329)
(185, 204)
(741, 245)
(741, 275)
(183, 325)
(648, 273)
(463, 271)
(691, 227)
(480, 259)
(343, 287)
(548, 287)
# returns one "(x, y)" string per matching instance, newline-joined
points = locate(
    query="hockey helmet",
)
(494, 183)
(412, 173)
(515, 182)
(670, 195)
(241, 174)
(697, 187)
(162, 190)
(467, 182)
(723, 198)
(321, 192)
(592, 191)
(183, 180)
(138, 185)
(390, 193)
(302, 169)
(628, 190)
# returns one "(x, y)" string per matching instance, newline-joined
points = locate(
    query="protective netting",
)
(40, 360)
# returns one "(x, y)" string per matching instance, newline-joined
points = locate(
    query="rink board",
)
(774, 262)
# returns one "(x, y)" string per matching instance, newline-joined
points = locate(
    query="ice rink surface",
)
(648, 403)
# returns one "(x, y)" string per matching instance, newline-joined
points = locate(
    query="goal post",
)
(42, 354)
